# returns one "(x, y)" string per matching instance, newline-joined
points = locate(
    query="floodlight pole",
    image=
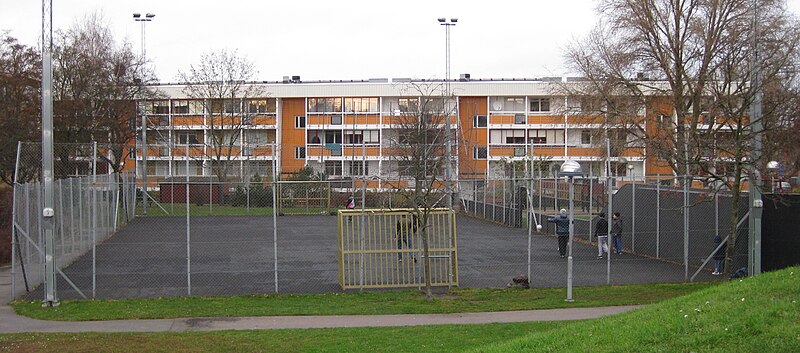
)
(147, 18)
(48, 214)
(570, 169)
(448, 95)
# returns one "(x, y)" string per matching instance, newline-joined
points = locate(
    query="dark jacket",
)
(601, 227)
(720, 254)
(616, 227)
(562, 224)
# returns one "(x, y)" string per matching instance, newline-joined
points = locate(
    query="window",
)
(479, 121)
(519, 151)
(258, 137)
(160, 107)
(591, 104)
(336, 120)
(299, 122)
(586, 137)
(546, 137)
(333, 168)
(507, 136)
(540, 104)
(323, 105)
(362, 136)
(299, 152)
(508, 104)
(233, 106)
(261, 106)
(333, 136)
(361, 105)
(359, 168)
(187, 137)
(180, 107)
(408, 105)
(479, 152)
(520, 119)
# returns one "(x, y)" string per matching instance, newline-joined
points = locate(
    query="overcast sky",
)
(337, 40)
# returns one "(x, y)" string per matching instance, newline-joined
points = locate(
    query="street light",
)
(570, 169)
(147, 18)
(773, 167)
(448, 143)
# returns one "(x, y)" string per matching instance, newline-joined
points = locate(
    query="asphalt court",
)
(233, 255)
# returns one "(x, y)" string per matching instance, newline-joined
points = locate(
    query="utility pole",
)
(147, 18)
(448, 95)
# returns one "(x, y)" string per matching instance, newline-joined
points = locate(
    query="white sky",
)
(337, 40)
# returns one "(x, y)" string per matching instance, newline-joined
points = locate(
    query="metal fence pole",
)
(658, 216)
(610, 194)
(14, 243)
(686, 226)
(188, 228)
(633, 213)
(275, 214)
(94, 207)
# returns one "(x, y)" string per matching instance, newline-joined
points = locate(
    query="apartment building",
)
(345, 129)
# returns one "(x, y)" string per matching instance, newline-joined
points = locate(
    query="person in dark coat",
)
(562, 230)
(719, 256)
(616, 233)
(601, 230)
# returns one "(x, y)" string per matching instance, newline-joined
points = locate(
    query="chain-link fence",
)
(245, 232)
(88, 210)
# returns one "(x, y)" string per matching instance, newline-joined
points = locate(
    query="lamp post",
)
(773, 168)
(147, 18)
(570, 169)
(448, 143)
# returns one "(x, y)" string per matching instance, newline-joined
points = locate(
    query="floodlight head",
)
(772, 165)
(137, 15)
(630, 166)
(570, 168)
(454, 20)
(150, 15)
(441, 19)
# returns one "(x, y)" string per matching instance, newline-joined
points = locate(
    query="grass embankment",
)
(759, 314)
(367, 303)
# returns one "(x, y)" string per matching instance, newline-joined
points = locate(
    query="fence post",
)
(658, 216)
(275, 215)
(686, 226)
(94, 208)
(188, 228)
(14, 243)
(633, 213)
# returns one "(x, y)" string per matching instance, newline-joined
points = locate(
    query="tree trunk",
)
(425, 253)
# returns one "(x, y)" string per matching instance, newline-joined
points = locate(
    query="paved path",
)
(11, 322)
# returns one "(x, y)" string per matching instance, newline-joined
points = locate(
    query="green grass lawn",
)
(366, 303)
(754, 315)
(759, 314)
(445, 338)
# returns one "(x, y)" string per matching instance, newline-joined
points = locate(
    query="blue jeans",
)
(720, 265)
(616, 240)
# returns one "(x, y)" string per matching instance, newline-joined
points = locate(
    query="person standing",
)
(406, 229)
(562, 230)
(601, 229)
(719, 256)
(616, 233)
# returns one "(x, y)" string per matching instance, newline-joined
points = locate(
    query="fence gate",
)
(387, 252)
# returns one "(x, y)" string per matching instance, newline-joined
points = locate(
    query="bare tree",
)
(419, 150)
(689, 64)
(222, 82)
(20, 103)
(95, 82)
